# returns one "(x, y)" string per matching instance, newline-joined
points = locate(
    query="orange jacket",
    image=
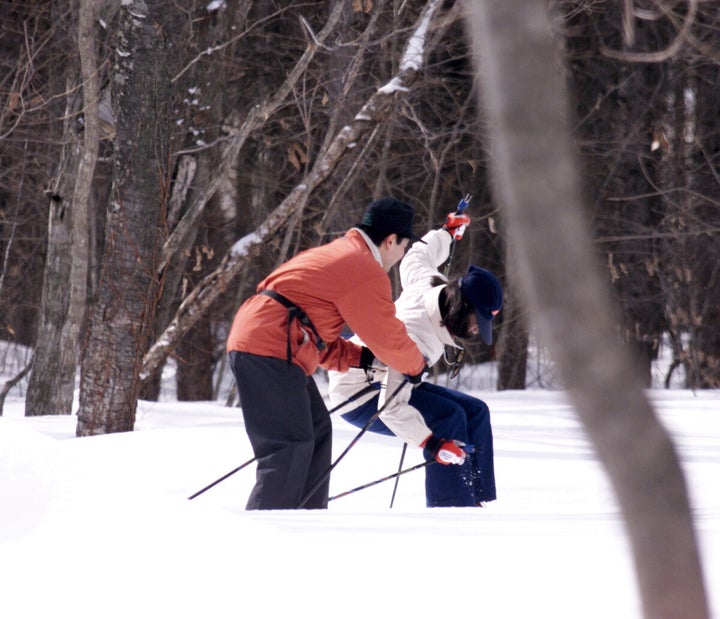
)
(338, 283)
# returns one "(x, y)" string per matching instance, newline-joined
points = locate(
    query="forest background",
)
(269, 119)
(158, 159)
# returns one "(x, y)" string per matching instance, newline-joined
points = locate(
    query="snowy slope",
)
(101, 527)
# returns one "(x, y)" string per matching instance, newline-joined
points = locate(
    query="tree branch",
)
(9, 384)
(256, 118)
(665, 54)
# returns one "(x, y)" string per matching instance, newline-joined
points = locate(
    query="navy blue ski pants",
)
(454, 416)
(289, 429)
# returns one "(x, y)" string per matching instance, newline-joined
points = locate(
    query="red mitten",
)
(445, 452)
(455, 224)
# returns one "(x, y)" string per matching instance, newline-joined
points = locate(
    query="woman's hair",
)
(455, 309)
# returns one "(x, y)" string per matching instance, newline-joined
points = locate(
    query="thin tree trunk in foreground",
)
(537, 183)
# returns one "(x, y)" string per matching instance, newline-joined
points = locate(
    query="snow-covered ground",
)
(101, 527)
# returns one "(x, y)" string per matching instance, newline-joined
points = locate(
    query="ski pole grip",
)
(463, 204)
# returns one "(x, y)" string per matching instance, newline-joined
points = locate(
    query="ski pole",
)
(364, 429)
(382, 479)
(353, 397)
(462, 205)
(397, 479)
(467, 448)
(217, 481)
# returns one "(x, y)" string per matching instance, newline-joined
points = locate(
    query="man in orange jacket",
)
(292, 325)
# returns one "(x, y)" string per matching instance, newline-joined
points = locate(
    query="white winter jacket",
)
(417, 307)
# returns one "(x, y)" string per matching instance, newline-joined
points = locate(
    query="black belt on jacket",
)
(294, 312)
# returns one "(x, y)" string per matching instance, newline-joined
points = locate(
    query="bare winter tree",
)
(129, 285)
(616, 102)
(512, 346)
(52, 381)
(687, 142)
(644, 79)
(537, 182)
(199, 159)
(32, 36)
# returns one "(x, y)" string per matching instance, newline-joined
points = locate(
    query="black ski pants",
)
(289, 429)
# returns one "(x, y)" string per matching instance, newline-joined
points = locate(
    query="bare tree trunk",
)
(194, 360)
(52, 383)
(87, 45)
(50, 391)
(512, 346)
(9, 384)
(123, 314)
(704, 290)
(537, 182)
(194, 172)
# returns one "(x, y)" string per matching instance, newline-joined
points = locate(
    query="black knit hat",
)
(390, 216)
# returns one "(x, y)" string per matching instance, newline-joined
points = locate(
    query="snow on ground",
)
(101, 526)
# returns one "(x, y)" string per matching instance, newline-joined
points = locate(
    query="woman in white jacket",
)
(437, 313)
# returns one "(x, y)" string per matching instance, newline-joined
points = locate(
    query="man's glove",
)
(455, 224)
(445, 452)
(366, 358)
(416, 379)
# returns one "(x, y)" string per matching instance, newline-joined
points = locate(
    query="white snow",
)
(102, 527)
(241, 245)
(394, 85)
(215, 5)
(415, 48)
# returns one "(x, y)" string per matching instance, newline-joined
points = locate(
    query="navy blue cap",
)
(485, 292)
